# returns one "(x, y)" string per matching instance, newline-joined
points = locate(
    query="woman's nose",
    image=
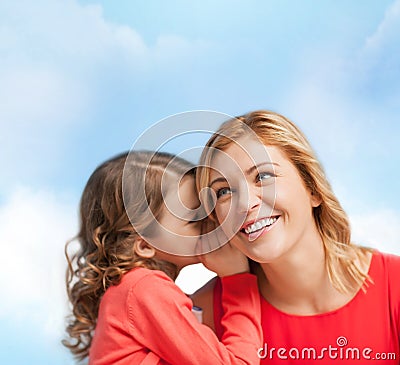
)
(249, 199)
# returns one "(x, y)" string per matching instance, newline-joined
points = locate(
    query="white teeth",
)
(260, 224)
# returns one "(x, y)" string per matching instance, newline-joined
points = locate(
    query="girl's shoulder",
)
(141, 274)
(137, 278)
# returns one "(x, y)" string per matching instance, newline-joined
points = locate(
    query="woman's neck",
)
(298, 282)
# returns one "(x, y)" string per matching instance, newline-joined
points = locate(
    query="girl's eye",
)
(223, 191)
(264, 176)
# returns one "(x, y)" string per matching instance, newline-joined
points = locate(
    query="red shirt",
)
(364, 331)
(147, 319)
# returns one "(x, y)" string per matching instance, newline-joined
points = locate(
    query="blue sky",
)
(81, 80)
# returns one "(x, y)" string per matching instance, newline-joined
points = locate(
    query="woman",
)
(323, 297)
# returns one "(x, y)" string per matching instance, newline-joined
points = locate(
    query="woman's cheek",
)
(220, 213)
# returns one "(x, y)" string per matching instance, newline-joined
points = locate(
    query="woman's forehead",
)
(245, 153)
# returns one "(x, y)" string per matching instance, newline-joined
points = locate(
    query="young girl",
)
(126, 306)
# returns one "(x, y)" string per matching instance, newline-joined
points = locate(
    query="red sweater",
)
(147, 319)
(364, 331)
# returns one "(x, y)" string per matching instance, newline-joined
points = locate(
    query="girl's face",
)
(261, 200)
(178, 227)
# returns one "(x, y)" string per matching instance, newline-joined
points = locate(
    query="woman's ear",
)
(315, 199)
(143, 249)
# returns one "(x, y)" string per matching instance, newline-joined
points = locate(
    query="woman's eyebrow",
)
(256, 167)
(249, 171)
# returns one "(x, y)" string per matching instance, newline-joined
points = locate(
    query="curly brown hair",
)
(106, 235)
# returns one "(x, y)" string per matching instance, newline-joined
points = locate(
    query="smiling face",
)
(262, 200)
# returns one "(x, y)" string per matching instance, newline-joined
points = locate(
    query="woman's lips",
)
(259, 227)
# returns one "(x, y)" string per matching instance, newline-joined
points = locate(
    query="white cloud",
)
(34, 226)
(380, 56)
(388, 31)
(58, 60)
(379, 229)
(80, 41)
(34, 95)
(346, 100)
(49, 30)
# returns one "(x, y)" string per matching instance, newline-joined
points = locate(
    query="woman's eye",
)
(223, 191)
(264, 176)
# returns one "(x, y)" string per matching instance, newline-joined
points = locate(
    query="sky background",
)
(81, 80)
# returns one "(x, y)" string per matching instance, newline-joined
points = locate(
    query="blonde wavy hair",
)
(344, 260)
(106, 235)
